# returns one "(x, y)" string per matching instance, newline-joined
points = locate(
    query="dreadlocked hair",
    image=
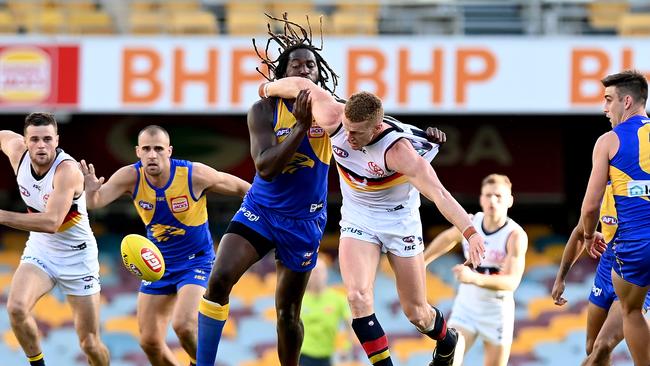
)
(294, 37)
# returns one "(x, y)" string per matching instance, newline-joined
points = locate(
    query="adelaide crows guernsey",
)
(176, 220)
(74, 233)
(629, 172)
(300, 190)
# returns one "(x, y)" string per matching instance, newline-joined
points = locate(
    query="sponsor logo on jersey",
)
(179, 204)
(249, 214)
(340, 152)
(398, 207)
(306, 263)
(24, 191)
(315, 207)
(282, 132)
(351, 230)
(596, 290)
(89, 278)
(375, 169)
(163, 232)
(37, 187)
(307, 255)
(297, 162)
(409, 239)
(145, 205)
(45, 198)
(638, 188)
(609, 220)
(316, 132)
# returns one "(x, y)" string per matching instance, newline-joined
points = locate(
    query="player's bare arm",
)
(605, 148)
(271, 157)
(13, 145)
(441, 244)
(68, 183)
(512, 271)
(100, 194)
(205, 178)
(327, 111)
(402, 158)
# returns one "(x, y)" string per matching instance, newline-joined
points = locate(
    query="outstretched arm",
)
(572, 251)
(441, 244)
(13, 145)
(402, 158)
(205, 178)
(67, 180)
(327, 112)
(100, 194)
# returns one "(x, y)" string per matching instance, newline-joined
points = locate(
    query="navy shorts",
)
(295, 241)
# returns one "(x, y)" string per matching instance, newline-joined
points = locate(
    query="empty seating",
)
(193, 22)
(634, 24)
(606, 14)
(90, 22)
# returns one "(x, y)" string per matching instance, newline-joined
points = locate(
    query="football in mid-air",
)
(142, 257)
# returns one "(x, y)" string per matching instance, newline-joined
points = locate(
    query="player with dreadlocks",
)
(285, 209)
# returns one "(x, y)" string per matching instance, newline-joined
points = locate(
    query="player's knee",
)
(360, 299)
(288, 317)
(17, 311)
(151, 343)
(90, 344)
(602, 349)
(185, 329)
(220, 284)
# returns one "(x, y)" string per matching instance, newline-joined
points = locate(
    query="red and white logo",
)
(375, 169)
(316, 132)
(25, 74)
(180, 204)
(151, 259)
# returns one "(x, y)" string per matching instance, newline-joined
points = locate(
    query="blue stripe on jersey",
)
(631, 158)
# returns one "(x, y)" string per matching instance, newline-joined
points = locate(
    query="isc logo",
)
(151, 260)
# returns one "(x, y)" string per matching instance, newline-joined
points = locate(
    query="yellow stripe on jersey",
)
(72, 219)
(608, 217)
(364, 186)
(145, 200)
(619, 182)
(318, 138)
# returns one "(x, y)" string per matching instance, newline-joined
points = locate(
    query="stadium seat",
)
(90, 22)
(78, 5)
(246, 23)
(193, 22)
(181, 5)
(634, 24)
(353, 23)
(361, 7)
(7, 22)
(606, 14)
(294, 10)
(143, 5)
(49, 21)
(145, 22)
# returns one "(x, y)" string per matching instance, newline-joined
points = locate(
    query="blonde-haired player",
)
(484, 307)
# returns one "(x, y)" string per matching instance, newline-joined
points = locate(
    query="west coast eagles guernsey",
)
(176, 220)
(366, 182)
(75, 233)
(300, 190)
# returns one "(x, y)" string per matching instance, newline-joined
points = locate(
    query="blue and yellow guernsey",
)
(629, 172)
(176, 220)
(300, 191)
(608, 217)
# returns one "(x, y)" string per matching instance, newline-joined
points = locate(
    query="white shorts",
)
(487, 313)
(76, 274)
(400, 235)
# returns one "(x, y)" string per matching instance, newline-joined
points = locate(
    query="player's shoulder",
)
(263, 105)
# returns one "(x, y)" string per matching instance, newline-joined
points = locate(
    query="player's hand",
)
(463, 274)
(558, 290)
(302, 110)
(436, 136)
(91, 183)
(476, 251)
(595, 245)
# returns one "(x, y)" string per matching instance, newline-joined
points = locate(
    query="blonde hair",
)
(363, 106)
(497, 179)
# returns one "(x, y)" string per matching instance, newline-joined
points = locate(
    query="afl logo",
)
(609, 220)
(340, 152)
(145, 205)
(24, 191)
(282, 132)
(25, 74)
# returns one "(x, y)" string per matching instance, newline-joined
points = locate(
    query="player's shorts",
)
(75, 273)
(487, 313)
(632, 260)
(296, 241)
(193, 272)
(400, 235)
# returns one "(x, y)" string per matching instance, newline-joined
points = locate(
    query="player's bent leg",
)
(596, 317)
(154, 314)
(496, 354)
(288, 300)
(28, 284)
(466, 340)
(234, 256)
(610, 335)
(635, 327)
(184, 319)
(358, 261)
(86, 323)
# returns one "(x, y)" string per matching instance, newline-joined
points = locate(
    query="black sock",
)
(446, 341)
